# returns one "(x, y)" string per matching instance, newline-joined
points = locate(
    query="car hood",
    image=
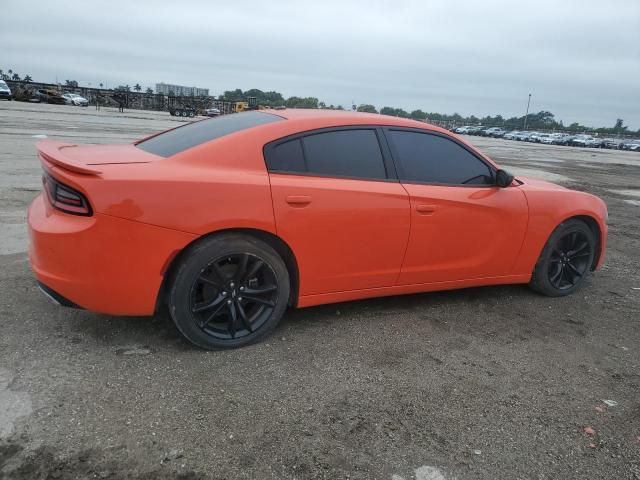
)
(529, 183)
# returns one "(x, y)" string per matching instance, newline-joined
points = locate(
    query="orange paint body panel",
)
(462, 233)
(101, 263)
(350, 235)
(549, 206)
(350, 238)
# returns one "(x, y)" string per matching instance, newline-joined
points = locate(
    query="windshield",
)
(3, 84)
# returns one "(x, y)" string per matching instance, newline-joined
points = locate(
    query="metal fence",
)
(129, 99)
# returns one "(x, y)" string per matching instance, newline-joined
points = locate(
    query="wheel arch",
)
(279, 245)
(594, 226)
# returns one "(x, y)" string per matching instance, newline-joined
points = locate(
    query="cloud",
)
(579, 59)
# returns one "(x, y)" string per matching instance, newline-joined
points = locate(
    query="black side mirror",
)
(503, 178)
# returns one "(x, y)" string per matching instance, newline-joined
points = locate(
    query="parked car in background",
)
(44, 95)
(75, 99)
(521, 136)
(560, 138)
(475, 130)
(462, 130)
(5, 91)
(545, 138)
(615, 143)
(495, 132)
(532, 137)
(511, 135)
(595, 142)
(212, 112)
(581, 140)
(633, 145)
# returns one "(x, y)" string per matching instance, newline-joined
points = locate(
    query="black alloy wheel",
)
(569, 260)
(566, 259)
(228, 290)
(234, 296)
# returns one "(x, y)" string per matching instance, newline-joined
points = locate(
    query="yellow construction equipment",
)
(250, 104)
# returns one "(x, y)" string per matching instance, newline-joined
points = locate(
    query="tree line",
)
(543, 120)
(11, 75)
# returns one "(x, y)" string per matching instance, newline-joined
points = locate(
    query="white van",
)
(5, 91)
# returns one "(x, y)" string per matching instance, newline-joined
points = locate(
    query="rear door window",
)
(352, 153)
(287, 157)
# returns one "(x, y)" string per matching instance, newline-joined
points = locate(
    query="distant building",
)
(181, 91)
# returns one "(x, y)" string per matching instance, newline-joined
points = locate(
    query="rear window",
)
(175, 141)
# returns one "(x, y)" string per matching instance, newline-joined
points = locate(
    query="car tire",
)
(228, 291)
(566, 259)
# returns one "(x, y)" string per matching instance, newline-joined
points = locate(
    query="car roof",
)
(327, 117)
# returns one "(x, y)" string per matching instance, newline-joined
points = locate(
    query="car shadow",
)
(492, 308)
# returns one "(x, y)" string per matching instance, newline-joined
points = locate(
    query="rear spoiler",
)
(51, 152)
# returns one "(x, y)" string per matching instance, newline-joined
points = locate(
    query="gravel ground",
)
(483, 383)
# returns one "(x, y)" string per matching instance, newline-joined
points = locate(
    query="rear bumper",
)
(55, 297)
(101, 263)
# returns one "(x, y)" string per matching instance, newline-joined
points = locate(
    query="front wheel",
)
(565, 260)
(229, 291)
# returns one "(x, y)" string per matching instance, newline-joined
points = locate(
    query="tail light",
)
(65, 198)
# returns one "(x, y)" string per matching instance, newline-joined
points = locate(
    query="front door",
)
(462, 225)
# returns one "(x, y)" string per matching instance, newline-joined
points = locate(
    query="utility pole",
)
(527, 114)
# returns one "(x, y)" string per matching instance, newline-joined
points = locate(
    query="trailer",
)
(186, 111)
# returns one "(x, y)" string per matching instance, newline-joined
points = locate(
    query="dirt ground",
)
(484, 383)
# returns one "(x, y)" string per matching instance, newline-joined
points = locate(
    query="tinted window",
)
(344, 153)
(287, 157)
(435, 159)
(175, 141)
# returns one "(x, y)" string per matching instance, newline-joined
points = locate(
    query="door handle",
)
(298, 200)
(426, 209)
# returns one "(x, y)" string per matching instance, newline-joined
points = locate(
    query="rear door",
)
(463, 226)
(339, 206)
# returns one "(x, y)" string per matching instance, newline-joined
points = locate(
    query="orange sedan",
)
(230, 220)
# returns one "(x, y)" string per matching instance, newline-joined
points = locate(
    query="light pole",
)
(527, 114)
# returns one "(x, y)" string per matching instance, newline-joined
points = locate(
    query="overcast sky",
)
(578, 59)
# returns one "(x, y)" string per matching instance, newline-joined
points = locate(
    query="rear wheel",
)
(229, 291)
(565, 260)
